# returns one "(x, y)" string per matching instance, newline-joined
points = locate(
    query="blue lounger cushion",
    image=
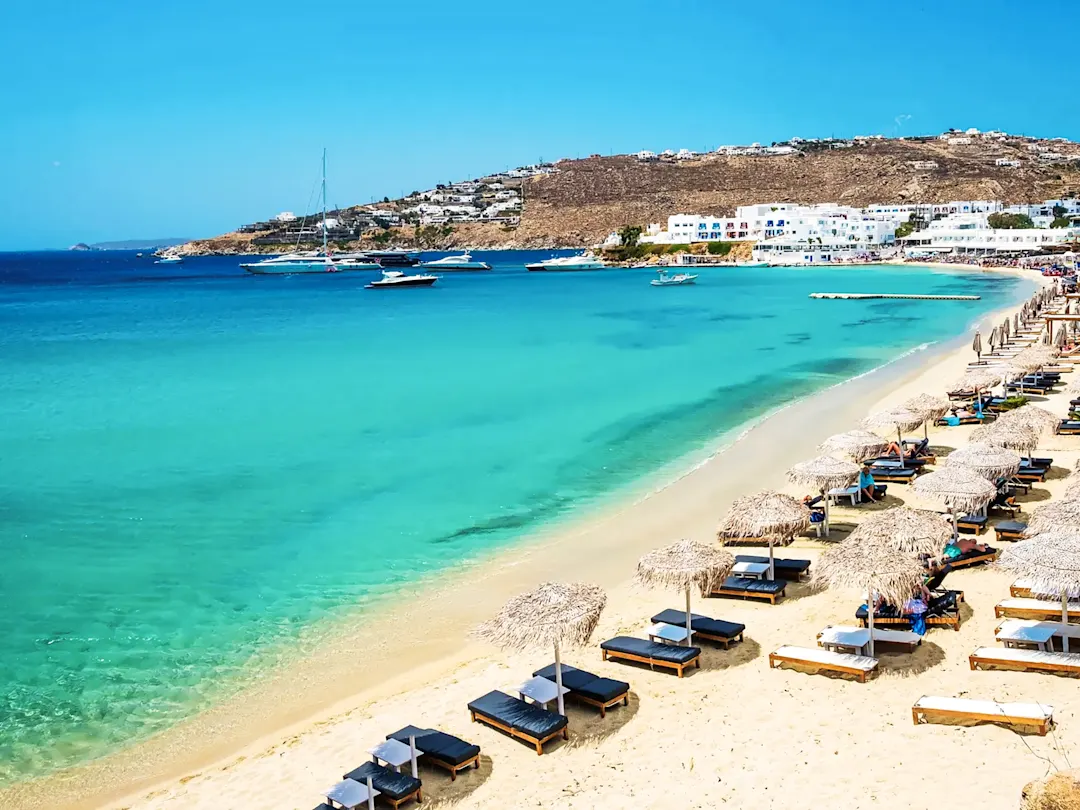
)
(437, 745)
(892, 472)
(751, 585)
(385, 780)
(972, 520)
(700, 624)
(1010, 527)
(585, 683)
(779, 563)
(643, 648)
(518, 715)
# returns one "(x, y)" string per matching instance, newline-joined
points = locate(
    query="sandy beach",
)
(732, 732)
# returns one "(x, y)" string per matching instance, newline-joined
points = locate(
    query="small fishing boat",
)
(169, 257)
(462, 262)
(395, 278)
(664, 280)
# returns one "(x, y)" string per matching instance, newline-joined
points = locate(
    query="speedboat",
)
(585, 261)
(304, 262)
(462, 262)
(395, 278)
(169, 257)
(665, 280)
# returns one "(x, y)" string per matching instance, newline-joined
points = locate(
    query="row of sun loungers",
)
(1039, 609)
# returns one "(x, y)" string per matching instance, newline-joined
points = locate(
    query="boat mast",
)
(325, 253)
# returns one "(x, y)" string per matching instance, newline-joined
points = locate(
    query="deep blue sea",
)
(196, 464)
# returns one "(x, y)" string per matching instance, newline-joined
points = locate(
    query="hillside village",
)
(580, 203)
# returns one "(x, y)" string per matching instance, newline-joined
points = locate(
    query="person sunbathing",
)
(899, 451)
(962, 546)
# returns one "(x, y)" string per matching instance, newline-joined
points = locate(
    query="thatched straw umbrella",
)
(980, 380)
(881, 570)
(857, 445)
(976, 346)
(995, 339)
(1051, 563)
(956, 488)
(1063, 514)
(899, 419)
(682, 566)
(1016, 324)
(823, 473)
(1062, 336)
(767, 514)
(989, 461)
(931, 408)
(1071, 491)
(1037, 419)
(1003, 434)
(561, 614)
(1005, 330)
(911, 531)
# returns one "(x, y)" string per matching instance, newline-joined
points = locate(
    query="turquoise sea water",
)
(196, 464)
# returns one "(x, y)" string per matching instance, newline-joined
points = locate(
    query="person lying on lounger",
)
(817, 513)
(962, 546)
(895, 449)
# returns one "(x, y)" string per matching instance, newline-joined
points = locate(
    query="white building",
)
(971, 233)
(646, 155)
(285, 216)
(1006, 162)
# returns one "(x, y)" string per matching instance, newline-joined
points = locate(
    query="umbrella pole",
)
(688, 622)
(1065, 619)
(558, 679)
(870, 618)
(825, 495)
(772, 565)
(955, 527)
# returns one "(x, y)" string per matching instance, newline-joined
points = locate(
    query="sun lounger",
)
(819, 660)
(750, 588)
(961, 420)
(1010, 530)
(1027, 660)
(1069, 427)
(394, 788)
(519, 719)
(974, 557)
(1033, 715)
(894, 475)
(588, 688)
(793, 570)
(899, 638)
(1020, 589)
(444, 750)
(711, 629)
(971, 524)
(895, 463)
(1031, 473)
(944, 612)
(654, 654)
(1040, 609)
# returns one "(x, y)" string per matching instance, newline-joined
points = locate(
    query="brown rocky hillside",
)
(585, 200)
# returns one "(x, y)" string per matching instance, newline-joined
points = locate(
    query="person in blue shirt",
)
(866, 483)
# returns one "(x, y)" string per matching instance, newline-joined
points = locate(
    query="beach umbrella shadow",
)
(588, 729)
(713, 659)
(909, 664)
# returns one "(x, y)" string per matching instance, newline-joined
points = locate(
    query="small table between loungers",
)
(753, 570)
(540, 690)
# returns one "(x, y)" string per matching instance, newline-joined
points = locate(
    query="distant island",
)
(131, 244)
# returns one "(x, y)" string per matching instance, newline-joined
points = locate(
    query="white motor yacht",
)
(395, 278)
(169, 257)
(311, 261)
(462, 262)
(585, 261)
(355, 261)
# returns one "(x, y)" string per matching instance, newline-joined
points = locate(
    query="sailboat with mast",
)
(312, 261)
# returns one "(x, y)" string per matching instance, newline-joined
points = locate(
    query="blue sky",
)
(127, 119)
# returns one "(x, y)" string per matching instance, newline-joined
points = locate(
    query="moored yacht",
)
(584, 261)
(395, 278)
(395, 258)
(169, 257)
(311, 261)
(462, 262)
(355, 261)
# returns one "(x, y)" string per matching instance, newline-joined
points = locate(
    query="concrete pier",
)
(862, 296)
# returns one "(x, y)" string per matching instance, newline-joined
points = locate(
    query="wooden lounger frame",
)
(772, 597)
(775, 660)
(1047, 615)
(396, 803)
(1022, 593)
(727, 641)
(653, 662)
(920, 714)
(1032, 475)
(1066, 430)
(521, 735)
(974, 528)
(979, 662)
(1010, 535)
(952, 620)
(472, 761)
(890, 478)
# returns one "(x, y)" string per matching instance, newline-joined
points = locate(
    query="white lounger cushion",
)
(880, 634)
(1070, 630)
(1024, 603)
(817, 655)
(1018, 656)
(1026, 711)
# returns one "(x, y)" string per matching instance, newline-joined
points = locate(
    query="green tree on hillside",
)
(629, 235)
(1010, 221)
(1060, 222)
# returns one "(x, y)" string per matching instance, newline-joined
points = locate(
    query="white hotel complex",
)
(786, 233)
